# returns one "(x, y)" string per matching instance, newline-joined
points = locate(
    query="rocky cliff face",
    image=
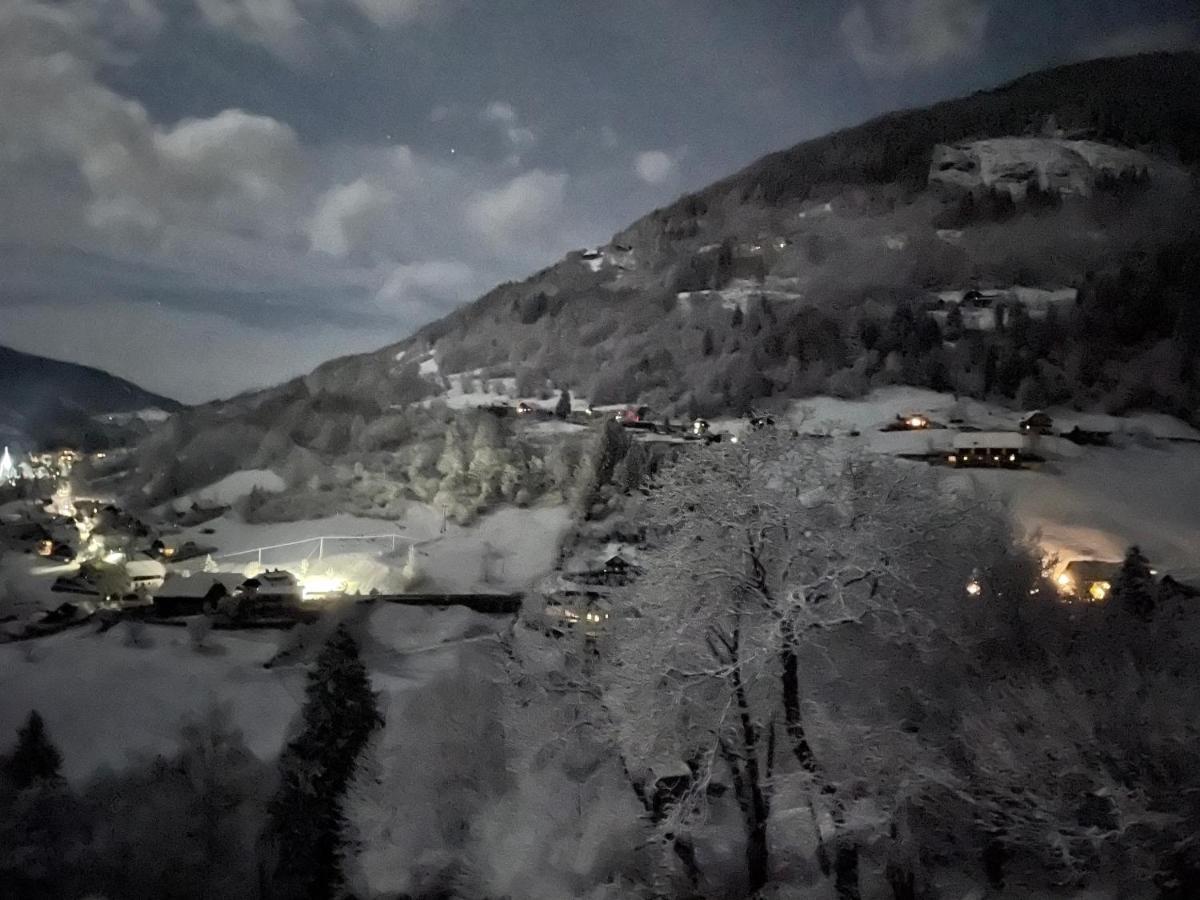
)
(1015, 165)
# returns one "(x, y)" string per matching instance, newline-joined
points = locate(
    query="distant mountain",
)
(1060, 206)
(46, 402)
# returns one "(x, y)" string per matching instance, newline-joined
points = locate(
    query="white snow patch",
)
(232, 488)
(108, 704)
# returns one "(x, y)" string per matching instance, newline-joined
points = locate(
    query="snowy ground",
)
(1086, 503)
(109, 703)
(506, 550)
(232, 488)
(25, 582)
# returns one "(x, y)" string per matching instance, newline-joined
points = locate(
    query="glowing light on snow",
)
(8, 472)
(315, 587)
(974, 588)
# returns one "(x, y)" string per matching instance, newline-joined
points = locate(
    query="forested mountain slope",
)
(1033, 244)
(45, 401)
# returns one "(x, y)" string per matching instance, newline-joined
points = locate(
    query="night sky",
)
(209, 195)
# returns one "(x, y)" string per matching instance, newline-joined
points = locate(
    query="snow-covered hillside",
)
(1015, 164)
(1085, 503)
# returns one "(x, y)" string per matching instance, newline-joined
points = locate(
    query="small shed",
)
(272, 586)
(990, 449)
(1037, 422)
(910, 421)
(1089, 580)
(145, 575)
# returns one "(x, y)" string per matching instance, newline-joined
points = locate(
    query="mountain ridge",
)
(824, 268)
(47, 401)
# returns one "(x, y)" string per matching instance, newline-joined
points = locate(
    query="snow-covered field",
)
(232, 488)
(506, 550)
(109, 704)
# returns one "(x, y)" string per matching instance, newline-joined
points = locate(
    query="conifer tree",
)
(36, 816)
(34, 759)
(563, 408)
(1134, 589)
(307, 823)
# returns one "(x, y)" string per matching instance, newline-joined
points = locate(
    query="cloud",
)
(229, 223)
(433, 283)
(294, 29)
(392, 13)
(891, 37)
(230, 172)
(277, 25)
(1179, 35)
(518, 137)
(654, 166)
(345, 215)
(526, 204)
(500, 111)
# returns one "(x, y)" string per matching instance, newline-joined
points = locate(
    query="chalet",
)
(910, 421)
(635, 417)
(146, 576)
(1089, 580)
(570, 610)
(977, 298)
(760, 422)
(618, 570)
(1037, 422)
(525, 409)
(274, 587)
(989, 449)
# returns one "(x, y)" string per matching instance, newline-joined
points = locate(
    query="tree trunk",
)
(845, 871)
(844, 867)
(995, 854)
(686, 851)
(748, 788)
(757, 859)
(902, 880)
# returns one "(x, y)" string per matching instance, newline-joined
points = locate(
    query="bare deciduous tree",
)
(766, 550)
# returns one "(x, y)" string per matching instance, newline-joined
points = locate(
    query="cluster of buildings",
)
(44, 465)
(971, 447)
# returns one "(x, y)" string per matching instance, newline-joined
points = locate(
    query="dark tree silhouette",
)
(307, 825)
(563, 408)
(34, 758)
(1134, 589)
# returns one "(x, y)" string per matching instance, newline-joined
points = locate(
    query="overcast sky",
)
(210, 195)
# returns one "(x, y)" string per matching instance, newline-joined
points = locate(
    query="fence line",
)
(320, 542)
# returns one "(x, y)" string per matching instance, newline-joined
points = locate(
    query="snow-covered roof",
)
(990, 440)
